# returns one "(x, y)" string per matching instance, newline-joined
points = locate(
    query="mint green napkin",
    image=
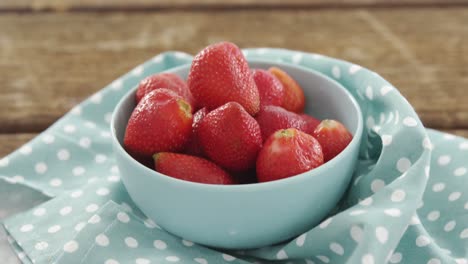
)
(407, 203)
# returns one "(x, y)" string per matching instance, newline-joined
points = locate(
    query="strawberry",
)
(220, 74)
(230, 137)
(271, 118)
(269, 87)
(193, 147)
(294, 99)
(169, 81)
(286, 153)
(162, 121)
(190, 168)
(310, 123)
(333, 137)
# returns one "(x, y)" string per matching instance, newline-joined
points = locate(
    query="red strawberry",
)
(310, 123)
(169, 81)
(333, 136)
(269, 87)
(190, 168)
(194, 147)
(220, 74)
(294, 99)
(272, 118)
(286, 153)
(162, 121)
(230, 137)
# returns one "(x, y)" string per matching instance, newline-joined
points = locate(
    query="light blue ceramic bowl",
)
(252, 215)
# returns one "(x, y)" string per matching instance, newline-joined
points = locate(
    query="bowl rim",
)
(249, 186)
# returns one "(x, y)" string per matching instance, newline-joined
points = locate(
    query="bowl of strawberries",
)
(236, 154)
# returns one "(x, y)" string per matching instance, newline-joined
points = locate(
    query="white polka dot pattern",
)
(102, 240)
(71, 246)
(159, 244)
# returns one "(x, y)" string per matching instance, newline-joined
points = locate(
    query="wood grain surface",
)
(148, 5)
(51, 61)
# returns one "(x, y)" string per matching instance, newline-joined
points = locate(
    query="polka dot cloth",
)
(407, 203)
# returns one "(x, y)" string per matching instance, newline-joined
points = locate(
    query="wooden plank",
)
(433, 72)
(50, 62)
(10, 142)
(141, 5)
(63, 5)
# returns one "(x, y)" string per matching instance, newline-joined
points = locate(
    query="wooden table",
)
(54, 54)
